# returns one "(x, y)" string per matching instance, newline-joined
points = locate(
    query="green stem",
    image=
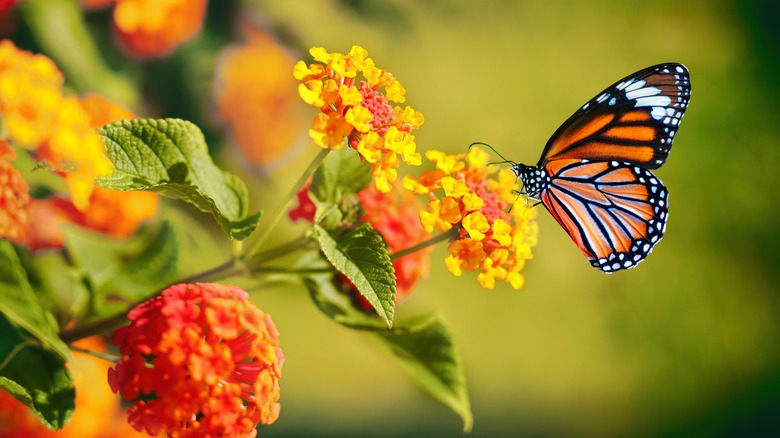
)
(281, 270)
(255, 243)
(261, 257)
(224, 270)
(453, 232)
(204, 275)
(98, 354)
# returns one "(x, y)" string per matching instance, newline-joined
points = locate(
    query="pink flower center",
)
(495, 207)
(376, 104)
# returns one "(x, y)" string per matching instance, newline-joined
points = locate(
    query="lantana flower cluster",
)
(37, 115)
(265, 120)
(467, 195)
(199, 360)
(59, 131)
(152, 28)
(355, 97)
(395, 215)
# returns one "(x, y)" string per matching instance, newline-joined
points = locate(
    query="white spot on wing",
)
(643, 92)
(657, 101)
(634, 86)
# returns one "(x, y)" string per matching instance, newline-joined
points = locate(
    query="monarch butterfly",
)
(594, 173)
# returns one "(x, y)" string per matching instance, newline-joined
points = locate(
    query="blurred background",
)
(685, 345)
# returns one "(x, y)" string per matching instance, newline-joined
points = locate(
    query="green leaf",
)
(35, 376)
(425, 348)
(20, 305)
(341, 174)
(170, 157)
(339, 305)
(362, 256)
(127, 273)
(61, 288)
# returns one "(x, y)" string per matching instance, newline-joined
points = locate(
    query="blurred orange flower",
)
(199, 360)
(353, 96)
(254, 98)
(113, 213)
(98, 412)
(14, 198)
(152, 28)
(465, 194)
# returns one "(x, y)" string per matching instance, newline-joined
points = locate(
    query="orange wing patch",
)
(631, 133)
(635, 116)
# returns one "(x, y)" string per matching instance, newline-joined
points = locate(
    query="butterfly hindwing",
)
(614, 211)
(634, 120)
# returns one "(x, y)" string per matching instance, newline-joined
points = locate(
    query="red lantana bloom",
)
(395, 215)
(199, 360)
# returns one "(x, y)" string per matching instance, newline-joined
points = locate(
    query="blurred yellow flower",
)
(38, 116)
(465, 194)
(359, 112)
(254, 97)
(35, 222)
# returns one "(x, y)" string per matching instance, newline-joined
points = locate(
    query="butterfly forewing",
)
(632, 121)
(614, 211)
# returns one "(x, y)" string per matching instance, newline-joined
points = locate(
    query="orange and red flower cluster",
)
(199, 360)
(465, 194)
(395, 216)
(151, 28)
(359, 110)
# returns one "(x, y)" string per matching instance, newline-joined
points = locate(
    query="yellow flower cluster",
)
(354, 98)
(492, 237)
(37, 115)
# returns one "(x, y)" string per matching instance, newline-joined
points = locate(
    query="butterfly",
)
(594, 175)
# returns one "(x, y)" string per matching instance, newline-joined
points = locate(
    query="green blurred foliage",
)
(680, 346)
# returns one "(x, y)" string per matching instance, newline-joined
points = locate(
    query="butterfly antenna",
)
(494, 150)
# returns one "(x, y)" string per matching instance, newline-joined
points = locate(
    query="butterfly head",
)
(535, 179)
